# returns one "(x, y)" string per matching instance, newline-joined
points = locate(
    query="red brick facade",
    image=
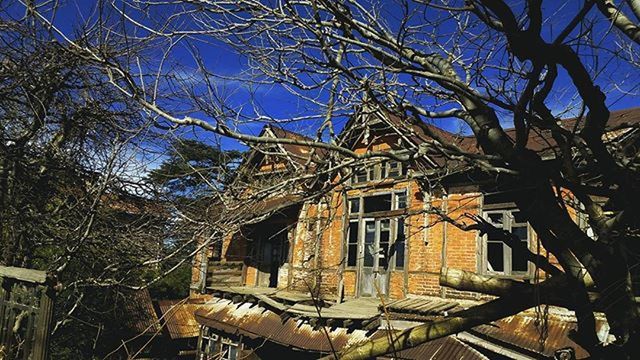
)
(317, 240)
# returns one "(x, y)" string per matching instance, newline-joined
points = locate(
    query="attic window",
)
(383, 170)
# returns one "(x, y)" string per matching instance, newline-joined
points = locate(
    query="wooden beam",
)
(26, 275)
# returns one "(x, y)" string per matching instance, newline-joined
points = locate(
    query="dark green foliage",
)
(194, 168)
(174, 285)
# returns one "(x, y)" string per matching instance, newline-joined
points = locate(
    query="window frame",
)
(229, 343)
(378, 171)
(508, 222)
(361, 218)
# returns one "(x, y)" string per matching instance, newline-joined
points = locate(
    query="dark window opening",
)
(385, 236)
(499, 256)
(354, 206)
(495, 256)
(377, 203)
(399, 245)
(352, 244)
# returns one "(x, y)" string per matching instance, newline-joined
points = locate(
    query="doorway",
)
(374, 250)
(273, 252)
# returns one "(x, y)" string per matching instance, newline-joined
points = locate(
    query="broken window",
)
(377, 203)
(228, 350)
(209, 344)
(499, 257)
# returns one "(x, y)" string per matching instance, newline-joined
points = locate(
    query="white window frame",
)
(507, 255)
(227, 355)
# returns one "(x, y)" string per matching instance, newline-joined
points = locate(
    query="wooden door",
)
(374, 246)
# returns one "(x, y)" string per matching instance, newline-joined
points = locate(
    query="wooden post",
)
(16, 309)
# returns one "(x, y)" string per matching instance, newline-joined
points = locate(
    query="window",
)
(209, 345)
(395, 169)
(499, 257)
(383, 247)
(360, 177)
(354, 206)
(401, 200)
(379, 171)
(228, 350)
(377, 203)
(374, 232)
(352, 244)
(399, 244)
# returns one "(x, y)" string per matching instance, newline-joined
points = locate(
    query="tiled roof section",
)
(520, 331)
(139, 315)
(179, 319)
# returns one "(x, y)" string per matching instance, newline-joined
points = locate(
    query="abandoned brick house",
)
(309, 275)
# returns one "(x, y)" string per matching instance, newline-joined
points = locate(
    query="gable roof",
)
(417, 132)
(300, 153)
(297, 154)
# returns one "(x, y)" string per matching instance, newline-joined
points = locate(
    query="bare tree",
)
(482, 63)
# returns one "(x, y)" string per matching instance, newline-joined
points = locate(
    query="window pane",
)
(385, 225)
(496, 219)
(354, 206)
(518, 262)
(352, 254)
(399, 245)
(395, 169)
(520, 232)
(518, 217)
(372, 172)
(401, 200)
(495, 256)
(377, 203)
(369, 238)
(360, 176)
(353, 232)
(385, 236)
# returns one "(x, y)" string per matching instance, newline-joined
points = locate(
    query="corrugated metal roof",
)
(520, 331)
(446, 348)
(255, 322)
(139, 315)
(424, 306)
(179, 319)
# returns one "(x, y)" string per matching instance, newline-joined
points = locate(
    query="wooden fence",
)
(26, 307)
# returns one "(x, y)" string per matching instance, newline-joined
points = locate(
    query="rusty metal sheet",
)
(257, 322)
(520, 332)
(446, 348)
(179, 319)
(139, 315)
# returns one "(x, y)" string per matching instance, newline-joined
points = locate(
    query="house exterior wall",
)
(317, 260)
